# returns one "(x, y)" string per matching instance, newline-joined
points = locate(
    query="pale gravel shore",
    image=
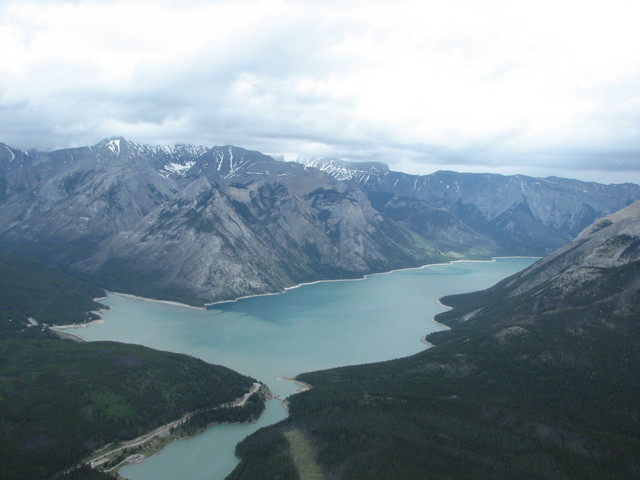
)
(423, 339)
(61, 330)
(68, 335)
(357, 279)
(303, 385)
(286, 289)
(77, 325)
(166, 302)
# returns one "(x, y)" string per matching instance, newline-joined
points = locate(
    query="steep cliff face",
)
(522, 215)
(221, 242)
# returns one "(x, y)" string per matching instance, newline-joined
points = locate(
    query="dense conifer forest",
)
(61, 400)
(537, 386)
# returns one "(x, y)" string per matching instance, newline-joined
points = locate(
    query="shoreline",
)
(148, 299)
(358, 279)
(303, 385)
(162, 432)
(423, 339)
(62, 330)
(63, 334)
(207, 306)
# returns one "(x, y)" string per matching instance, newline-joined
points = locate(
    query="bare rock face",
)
(196, 225)
(222, 242)
(204, 224)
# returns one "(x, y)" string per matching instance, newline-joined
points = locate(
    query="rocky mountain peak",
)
(521, 214)
(358, 172)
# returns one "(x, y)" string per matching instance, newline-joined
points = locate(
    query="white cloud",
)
(489, 85)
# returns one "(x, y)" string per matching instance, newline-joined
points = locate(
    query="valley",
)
(535, 378)
(312, 327)
(200, 225)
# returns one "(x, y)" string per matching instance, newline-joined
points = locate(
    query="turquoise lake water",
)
(308, 328)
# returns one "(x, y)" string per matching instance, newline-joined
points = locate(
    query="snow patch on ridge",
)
(179, 168)
(114, 146)
(359, 172)
(12, 155)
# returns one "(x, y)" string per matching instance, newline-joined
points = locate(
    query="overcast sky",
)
(534, 87)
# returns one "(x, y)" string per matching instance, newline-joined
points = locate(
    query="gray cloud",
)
(359, 80)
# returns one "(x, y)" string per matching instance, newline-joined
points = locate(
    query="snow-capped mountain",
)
(202, 224)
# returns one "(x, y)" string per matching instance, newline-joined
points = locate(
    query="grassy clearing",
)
(304, 456)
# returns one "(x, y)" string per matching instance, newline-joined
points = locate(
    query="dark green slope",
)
(60, 400)
(29, 288)
(537, 379)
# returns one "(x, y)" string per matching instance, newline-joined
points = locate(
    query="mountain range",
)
(520, 214)
(536, 379)
(200, 224)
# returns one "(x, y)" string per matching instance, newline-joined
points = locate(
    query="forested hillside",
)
(30, 289)
(537, 379)
(61, 400)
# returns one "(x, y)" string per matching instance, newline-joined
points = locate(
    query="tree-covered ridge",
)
(29, 288)
(265, 456)
(537, 379)
(60, 400)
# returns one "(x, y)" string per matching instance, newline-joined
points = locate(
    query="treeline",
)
(556, 397)
(60, 400)
(265, 456)
(29, 288)
(201, 419)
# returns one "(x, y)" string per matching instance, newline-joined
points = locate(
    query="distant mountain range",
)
(520, 214)
(201, 224)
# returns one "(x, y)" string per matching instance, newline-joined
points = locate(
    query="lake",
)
(307, 328)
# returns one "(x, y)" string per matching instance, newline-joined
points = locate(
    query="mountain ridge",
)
(207, 226)
(521, 214)
(200, 224)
